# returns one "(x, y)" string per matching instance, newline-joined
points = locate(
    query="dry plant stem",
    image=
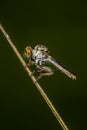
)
(49, 103)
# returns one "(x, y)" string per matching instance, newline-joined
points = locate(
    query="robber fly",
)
(40, 56)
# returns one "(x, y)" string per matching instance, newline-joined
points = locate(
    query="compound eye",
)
(28, 51)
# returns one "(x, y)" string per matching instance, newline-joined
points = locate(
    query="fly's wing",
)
(61, 68)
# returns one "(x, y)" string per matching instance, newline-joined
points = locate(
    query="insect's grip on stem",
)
(45, 97)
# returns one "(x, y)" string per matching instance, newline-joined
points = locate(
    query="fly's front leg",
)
(28, 64)
(45, 71)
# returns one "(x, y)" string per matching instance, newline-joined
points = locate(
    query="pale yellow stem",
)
(47, 100)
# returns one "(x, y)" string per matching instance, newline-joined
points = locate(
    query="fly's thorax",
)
(41, 48)
(39, 57)
(36, 54)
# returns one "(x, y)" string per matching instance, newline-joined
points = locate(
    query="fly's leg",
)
(45, 71)
(36, 70)
(28, 64)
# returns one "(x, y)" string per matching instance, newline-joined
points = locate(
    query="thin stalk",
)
(38, 86)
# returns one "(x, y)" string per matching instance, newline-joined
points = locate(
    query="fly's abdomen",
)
(61, 68)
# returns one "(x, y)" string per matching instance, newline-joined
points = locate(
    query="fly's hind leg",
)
(45, 71)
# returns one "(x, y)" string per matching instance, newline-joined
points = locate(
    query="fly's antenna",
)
(38, 86)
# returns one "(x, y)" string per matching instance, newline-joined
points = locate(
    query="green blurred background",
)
(62, 27)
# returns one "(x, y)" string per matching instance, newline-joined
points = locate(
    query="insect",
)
(40, 56)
